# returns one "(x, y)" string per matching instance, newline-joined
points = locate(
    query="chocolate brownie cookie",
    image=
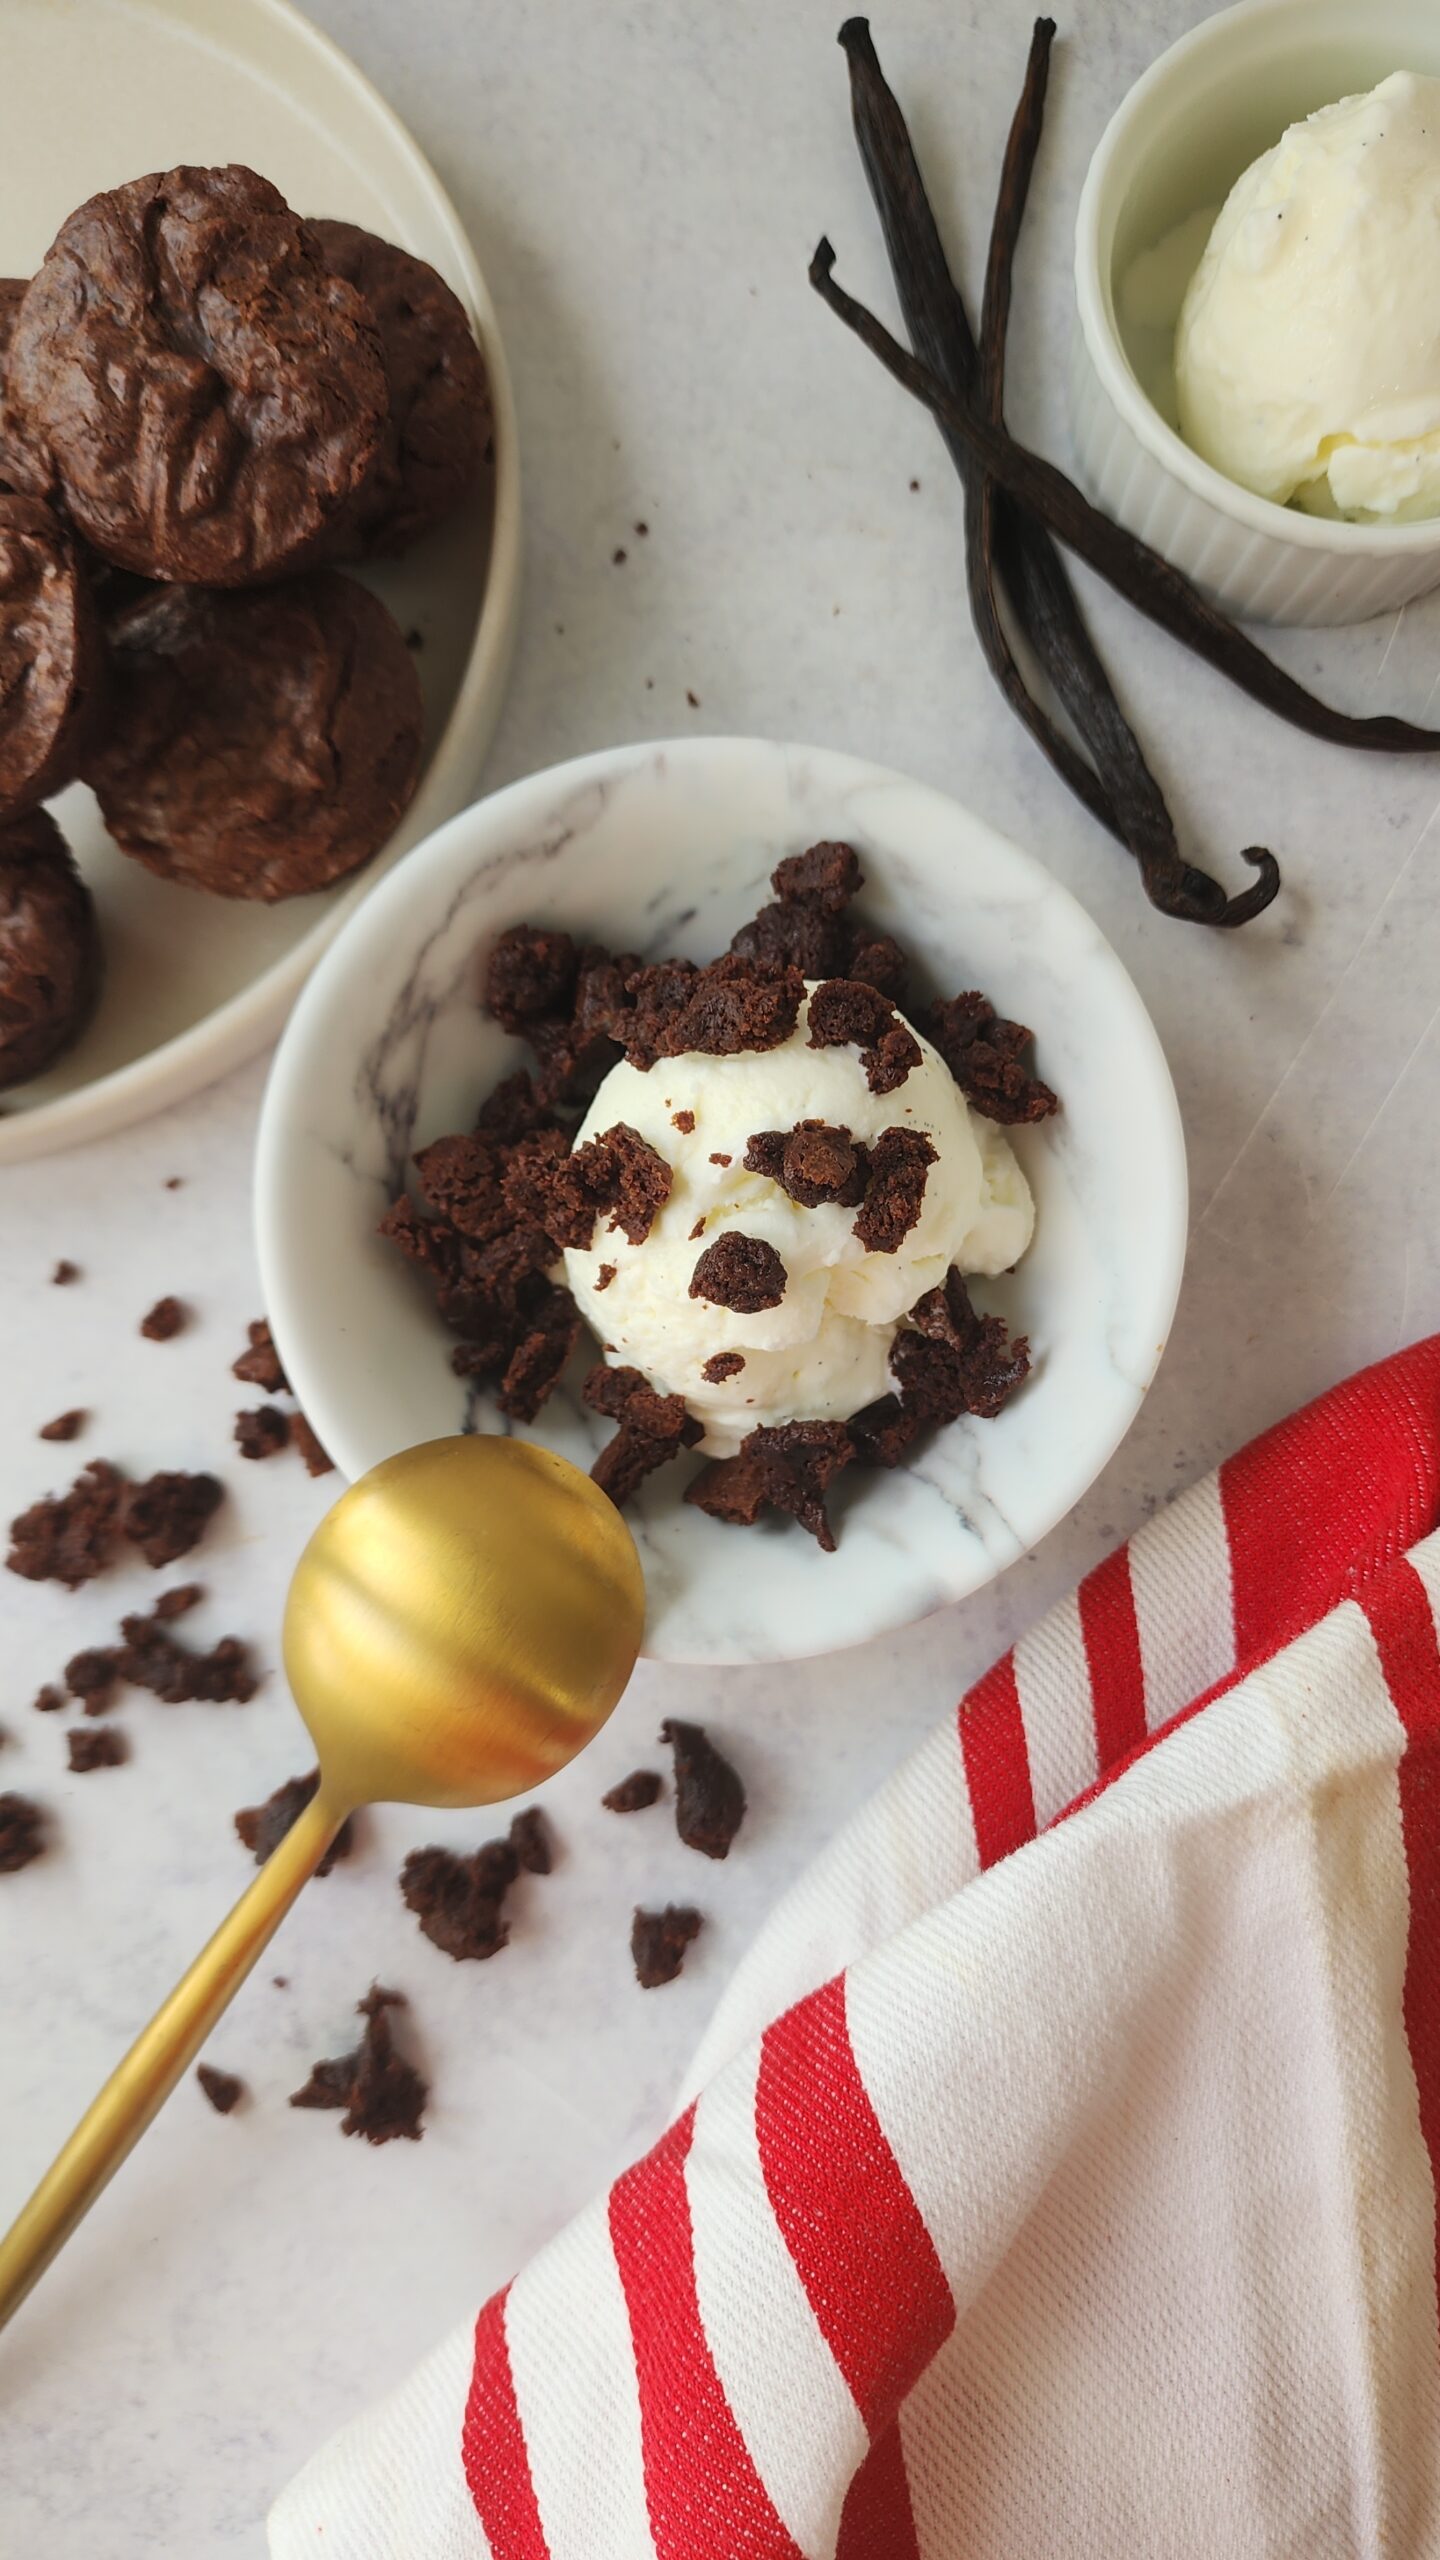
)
(262, 745)
(51, 656)
(186, 374)
(49, 948)
(439, 430)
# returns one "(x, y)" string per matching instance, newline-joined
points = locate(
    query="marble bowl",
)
(668, 848)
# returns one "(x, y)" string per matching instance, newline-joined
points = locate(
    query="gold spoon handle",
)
(137, 2089)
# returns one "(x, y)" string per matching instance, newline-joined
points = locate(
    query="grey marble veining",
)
(645, 187)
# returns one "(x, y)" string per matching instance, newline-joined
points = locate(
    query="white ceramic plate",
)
(97, 91)
(668, 848)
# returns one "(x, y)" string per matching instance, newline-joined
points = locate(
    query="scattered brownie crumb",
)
(642, 530)
(262, 1433)
(813, 1163)
(167, 1515)
(743, 1273)
(96, 1746)
(175, 1604)
(459, 1900)
(722, 1365)
(262, 1827)
(787, 1467)
(318, 1461)
(260, 1365)
(222, 2088)
(618, 558)
(709, 1798)
(696, 1232)
(383, 2095)
(826, 875)
(845, 1012)
(174, 1181)
(883, 1432)
(734, 1004)
(914, 484)
(605, 1275)
(985, 1055)
(166, 1318)
(955, 1361)
(21, 1824)
(658, 1940)
(684, 1122)
(900, 1162)
(653, 1429)
(152, 1659)
(92, 1675)
(66, 1426)
(633, 1794)
(530, 975)
(530, 1840)
(618, 1171)
(46, 1700)
(64, 1273)
(279, 1981)
(68, 1537)
(692, 698)
(722, 1160)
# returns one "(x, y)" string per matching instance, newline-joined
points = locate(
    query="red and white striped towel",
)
(1059, 2173)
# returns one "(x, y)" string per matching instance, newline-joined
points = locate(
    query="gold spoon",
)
(459, 1626)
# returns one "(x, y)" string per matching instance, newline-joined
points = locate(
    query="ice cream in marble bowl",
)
(679, 1109)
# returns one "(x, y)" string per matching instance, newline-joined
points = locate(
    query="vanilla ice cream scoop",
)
(1307, 357)
(821, 1351)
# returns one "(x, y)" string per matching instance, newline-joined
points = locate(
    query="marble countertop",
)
(645, 185)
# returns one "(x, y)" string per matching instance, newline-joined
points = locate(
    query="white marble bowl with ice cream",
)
(666, 849)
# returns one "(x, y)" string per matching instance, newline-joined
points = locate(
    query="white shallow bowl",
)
(97, 91)
(669, 848)
(1185, 133)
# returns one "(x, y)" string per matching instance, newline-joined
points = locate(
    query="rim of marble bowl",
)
(400, 912)
(1255, 25)
(238, 1028)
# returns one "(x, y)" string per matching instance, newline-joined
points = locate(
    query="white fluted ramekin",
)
(1200, 115)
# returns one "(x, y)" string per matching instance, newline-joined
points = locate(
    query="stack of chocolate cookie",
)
(205, 402)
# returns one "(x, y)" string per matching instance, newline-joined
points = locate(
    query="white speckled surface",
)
(645, 186)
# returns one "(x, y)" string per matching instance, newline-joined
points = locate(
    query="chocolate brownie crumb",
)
(722, 1365)
(798, 937)
(539, 1357)
(167, 1515)
(165, 1320)
(64, 1273)
(722, 1160)
(955, 1361)
(893, 1058)
(635, 1793)
(262, 1827)
(605, 1275)
(459, 1901)
(318, 1461)
(844, 1013)
(986, 1056)
(900, 1162)
(174, 1181)
(709, 1798)
(876, 960)
(617, 1171)
(21, 1824)
(814, 1163)
(260, 1365)
(96, 1746)
(47, 1699)
(68, 1537)
(735, 1004)
(174, 1604)
(151, 1659)
(263, 1432)
(743, 1273)
(658, 1940)
(530, 1840)
(883, 1432)
(92, 1675)
(787, 1468)
(692, 698)
(696, 1232)
(382, 2094)
(513, 1111)
(530, 974)
(684, 1121)
(66, 1426)
(618, 558)
(222, 2088)
(827, 876)
(653, 1429)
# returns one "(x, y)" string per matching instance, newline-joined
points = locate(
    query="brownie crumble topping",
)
(165, 1320)
(260, 1365)
(382, 2094)
(530, 1840)
(740, 1272)
(318, 1461)
(150, 1658)
(96, 1746)
(735, 1004)
(64, 1273)
(722, 1160)
(68, 1537)
(709, 1798)
(168, 1514)
(635, 1793)
(617, 1171)
(653, 1429)
(812, 1162)
(91, 1676)
(48, 1699)
(66, 1426)
(262, 1827)
(684, 1121)
(986, 1056)
(955, 1361)
(786, 1467)
(658, 1940)
(845, 1013)
(900, 1162)
(722, 1365)
(21, 1824)
(263, 1432)
(605, 1275)
(222, 2088)
(696, 1232)
(177, 1603)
